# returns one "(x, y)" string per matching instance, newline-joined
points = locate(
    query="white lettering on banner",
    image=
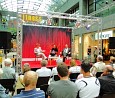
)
(104, 35)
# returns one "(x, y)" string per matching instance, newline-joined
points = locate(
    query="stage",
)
(35, 62)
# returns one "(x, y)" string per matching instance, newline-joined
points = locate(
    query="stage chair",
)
(42, 81)
(73, 76)
(37, 56)
(44, 87)
(8, 84)
(98, 74)
(56, 77)
(19, 90)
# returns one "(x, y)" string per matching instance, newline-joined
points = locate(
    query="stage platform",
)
(34, 63)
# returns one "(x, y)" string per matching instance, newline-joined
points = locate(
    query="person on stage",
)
(66, 52)
(54, 51)
(89, 53)
(38, 51)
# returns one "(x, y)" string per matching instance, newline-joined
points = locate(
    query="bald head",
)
(108, 69)
(30, 78)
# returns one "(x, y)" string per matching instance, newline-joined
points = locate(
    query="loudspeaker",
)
(5, 40)
(111, 42)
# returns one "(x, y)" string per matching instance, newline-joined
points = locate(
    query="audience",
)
(62, 88)
(73, 67)
(54, 70)
(112, 61)
(44, 71)
(87, 86)
(30, 80)
(107, 80)
(99, 66)
(2, 89)
(19, 83)
(8, 72)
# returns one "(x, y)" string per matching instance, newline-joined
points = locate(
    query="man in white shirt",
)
(66, 52)
(38, 51)
(44, 71)
(88, 86)
(99, 66)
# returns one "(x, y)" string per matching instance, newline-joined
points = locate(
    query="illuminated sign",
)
(31, 18)
(104, 35)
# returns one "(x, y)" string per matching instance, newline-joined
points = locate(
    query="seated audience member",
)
(2, 89)
(66, 52)
(38, 51)
(54, 51)
(44, 71)
(88, 86)
(107, 81)
(19, 83)
(54, 70)
(99, 66)
(62, 88)
(8, 72)
(73, 67)
(112, 61)
(30, 80)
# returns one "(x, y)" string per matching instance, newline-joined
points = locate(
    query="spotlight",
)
(106, 2)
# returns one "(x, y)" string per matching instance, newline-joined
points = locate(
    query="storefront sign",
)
(31, 18)
(104, 35)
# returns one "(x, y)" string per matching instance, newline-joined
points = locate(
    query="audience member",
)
(2, 89)
(88, 86)
(99, 66)
(107, 81)
(38, 51)
(66, 52)
(54, 70)
(73, 67)
(30, 80)
(95, 53)
(44, 71)
(19, 83)
(54, 51)
(8, 72)
(62, 88)
(112, 61)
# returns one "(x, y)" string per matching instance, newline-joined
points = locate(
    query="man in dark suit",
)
(66, 52)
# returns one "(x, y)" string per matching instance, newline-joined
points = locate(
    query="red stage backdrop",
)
(46, 37)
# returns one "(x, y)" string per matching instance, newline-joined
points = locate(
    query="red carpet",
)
(51, 63)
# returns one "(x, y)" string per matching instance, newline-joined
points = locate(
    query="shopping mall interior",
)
(81, 25)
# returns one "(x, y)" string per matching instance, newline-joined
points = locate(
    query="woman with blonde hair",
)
(74, 68)
(19, 83)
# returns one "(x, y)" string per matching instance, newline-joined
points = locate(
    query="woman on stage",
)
(54, 51)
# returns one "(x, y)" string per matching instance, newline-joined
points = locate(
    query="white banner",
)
(104, 35)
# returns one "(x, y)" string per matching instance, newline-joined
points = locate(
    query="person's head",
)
(26, 67)
(112, 59)
(66, 46)
(30, 79)
(85, 67)
(44, 63)
(8, 62)
(108, 69)
(62, 70)
(59, 60)
(99, 58)
(54, 46)
(72, 62)
(37, 45)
